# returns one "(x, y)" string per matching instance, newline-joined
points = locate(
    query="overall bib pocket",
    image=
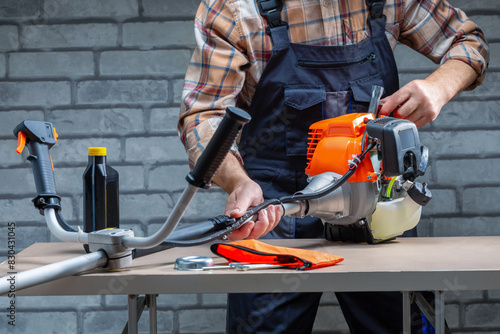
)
(303, 106)
(362, 92)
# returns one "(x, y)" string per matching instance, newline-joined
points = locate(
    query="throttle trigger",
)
(21, 142)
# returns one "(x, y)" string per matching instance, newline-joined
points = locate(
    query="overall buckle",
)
(376, 9)
(271, 10)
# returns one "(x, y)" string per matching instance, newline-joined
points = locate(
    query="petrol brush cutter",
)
(362, 185)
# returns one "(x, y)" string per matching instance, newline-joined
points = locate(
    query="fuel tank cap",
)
(193, 262)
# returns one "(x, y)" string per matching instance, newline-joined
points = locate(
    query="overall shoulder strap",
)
(271, 10)
(376, 8)
(376, 20)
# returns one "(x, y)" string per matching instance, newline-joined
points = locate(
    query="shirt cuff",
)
(474, 59)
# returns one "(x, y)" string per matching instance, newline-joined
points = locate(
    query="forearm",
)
(230, 174)
(451, 78)
(214, 78)
(420, 101)
(444, 33)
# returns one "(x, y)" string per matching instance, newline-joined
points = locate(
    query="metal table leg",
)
(136, 306)
(152, 314)
(132, 325)
(406, 313)
(439, 307)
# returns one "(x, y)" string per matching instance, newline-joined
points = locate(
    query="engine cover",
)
(336, 141)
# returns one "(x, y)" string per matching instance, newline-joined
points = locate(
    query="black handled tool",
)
(40, 137)
(218, 147)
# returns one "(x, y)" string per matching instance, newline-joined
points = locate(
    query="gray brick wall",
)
(109, 73)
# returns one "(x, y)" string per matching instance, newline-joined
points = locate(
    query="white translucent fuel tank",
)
(392, 218)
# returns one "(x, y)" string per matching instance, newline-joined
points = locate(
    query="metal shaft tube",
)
(54, 271)
(60, 233)
(290, 209)
(170, 224)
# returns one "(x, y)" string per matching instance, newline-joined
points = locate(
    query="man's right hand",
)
(245, 196)
(244, 193)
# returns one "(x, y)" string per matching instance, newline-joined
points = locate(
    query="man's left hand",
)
(420, 101)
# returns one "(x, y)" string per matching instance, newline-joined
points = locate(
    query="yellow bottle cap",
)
(97, 151)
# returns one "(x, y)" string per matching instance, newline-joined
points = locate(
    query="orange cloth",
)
(256, 252)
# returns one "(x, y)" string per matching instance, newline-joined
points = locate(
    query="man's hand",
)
(243, 195)
(420, 101)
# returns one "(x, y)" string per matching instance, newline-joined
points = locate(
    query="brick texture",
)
(482, 315)
(164, 120)
(122, 91)
(47, 93)
(48, 64)
(12, 118)
(151, 63)
(170, 8)
(110, 73)
(9, 38)
(43, 322)
(70, 35)
(115, 9)
(97, 122)
(3, 66)
(146, 35)
(20, 8)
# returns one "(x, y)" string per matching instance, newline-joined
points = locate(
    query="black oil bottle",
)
(100, 193)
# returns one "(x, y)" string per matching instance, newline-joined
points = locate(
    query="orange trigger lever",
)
(21, 142)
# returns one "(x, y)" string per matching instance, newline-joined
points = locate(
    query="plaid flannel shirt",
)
(233, 49)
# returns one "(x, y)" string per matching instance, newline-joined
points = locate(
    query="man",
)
(291, 63)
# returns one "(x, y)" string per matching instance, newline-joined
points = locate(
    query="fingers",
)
(417, 101)
(266, 222)
(243, 197)
(236, 205)
(260, 226)
(393, 102)
(238, 208)
(407, 109)
(248, 195)
(242, 232)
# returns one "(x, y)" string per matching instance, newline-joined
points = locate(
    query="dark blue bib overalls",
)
(302, 84)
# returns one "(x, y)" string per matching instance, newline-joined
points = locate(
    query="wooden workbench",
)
(405, 264)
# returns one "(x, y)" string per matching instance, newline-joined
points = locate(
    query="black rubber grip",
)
(218, 147)
(194, 231)
(42, 169)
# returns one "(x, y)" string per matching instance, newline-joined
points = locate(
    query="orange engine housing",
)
(334, 141)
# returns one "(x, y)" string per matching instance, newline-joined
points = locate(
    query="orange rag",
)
(256, 252)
